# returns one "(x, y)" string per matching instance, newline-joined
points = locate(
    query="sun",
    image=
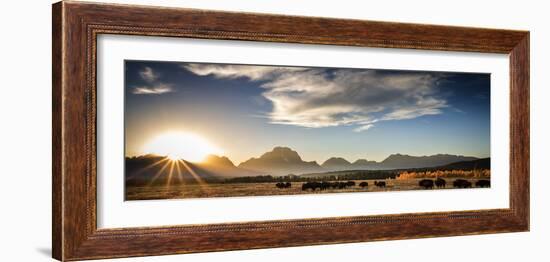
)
(180, 145)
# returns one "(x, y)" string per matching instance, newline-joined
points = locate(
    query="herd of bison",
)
(424, 183)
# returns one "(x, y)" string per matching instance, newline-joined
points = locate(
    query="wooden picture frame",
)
(76, 26)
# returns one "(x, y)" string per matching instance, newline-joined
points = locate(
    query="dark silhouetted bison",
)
(325, 185)
(483, 183)
(440, 182)
(363, 184)
(339, 185)
(426, 183)
(462, 183)
(311, 185)
(283, 185)
(380, 183)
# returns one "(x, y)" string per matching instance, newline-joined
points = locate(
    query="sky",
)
(246, 110)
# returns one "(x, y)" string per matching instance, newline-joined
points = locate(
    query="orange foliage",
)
(480, 173)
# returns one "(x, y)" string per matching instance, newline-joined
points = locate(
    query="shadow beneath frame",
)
(46, 251)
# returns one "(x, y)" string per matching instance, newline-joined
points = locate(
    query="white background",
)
(25, 147)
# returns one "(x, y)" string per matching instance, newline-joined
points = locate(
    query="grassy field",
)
(263, 189)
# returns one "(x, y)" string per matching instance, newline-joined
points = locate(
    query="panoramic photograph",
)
(203, 130)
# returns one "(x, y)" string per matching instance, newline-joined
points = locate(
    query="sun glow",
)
(179, 145)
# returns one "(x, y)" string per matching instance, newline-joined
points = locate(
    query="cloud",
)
(363, 128)
(253, 73)
(319, 97)
(158, 89)
(148, 74)
(154, 87)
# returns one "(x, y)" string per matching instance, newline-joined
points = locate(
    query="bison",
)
(363, 184)
(339, 185)
(462, 183)
(311, 185)
(483, 183)
(426, 183)
(324, 185)
(380, 183)
(440, 182)
(282, 185)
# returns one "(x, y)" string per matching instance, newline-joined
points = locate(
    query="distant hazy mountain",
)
(281, 161)
(221, 166)
(219, 161)
(337, 163)
(364, 164)
(483, 163)
(396, 161)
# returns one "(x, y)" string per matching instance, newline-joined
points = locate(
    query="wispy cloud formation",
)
(153, 87)
(153, 90)
(318, 97)
(148, 74)
(363, 128)
(253, 73)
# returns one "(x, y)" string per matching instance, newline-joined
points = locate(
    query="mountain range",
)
(279, 161)
(283, 160)
(339, 163)
(147, 169)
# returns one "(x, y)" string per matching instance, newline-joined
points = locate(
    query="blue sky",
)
(247, 110)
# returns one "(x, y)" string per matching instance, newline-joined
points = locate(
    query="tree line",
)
(348, 175)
